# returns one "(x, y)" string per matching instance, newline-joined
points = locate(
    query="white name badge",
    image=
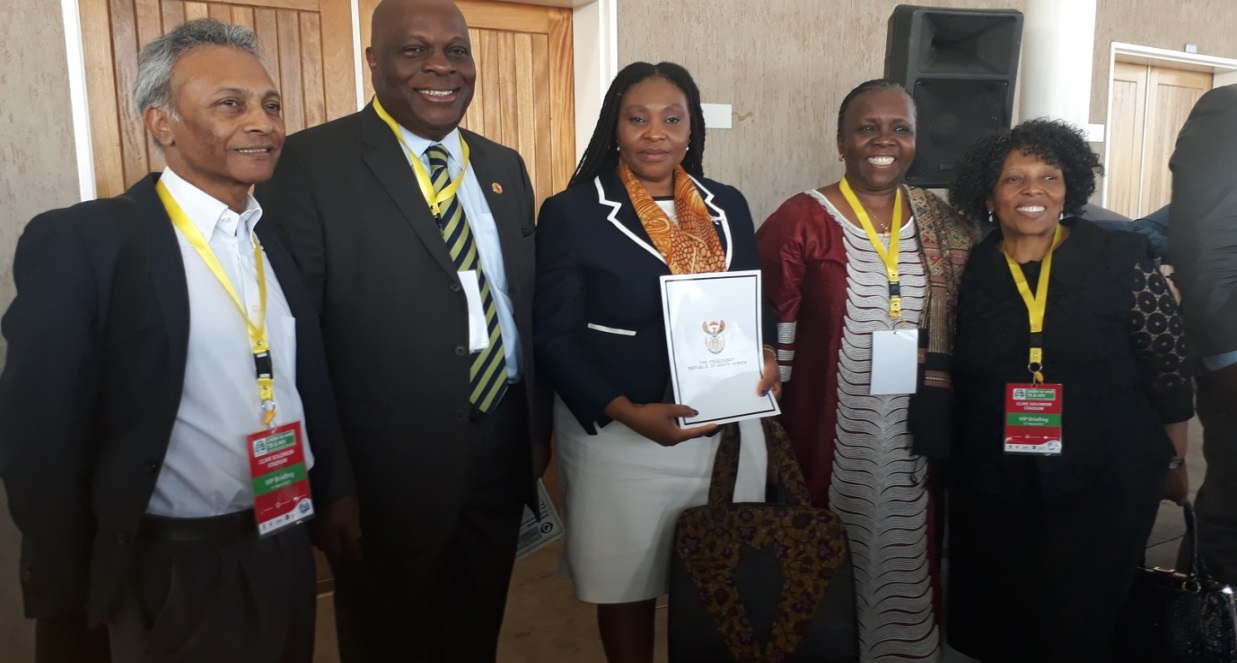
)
(478, 332)
(895, 361)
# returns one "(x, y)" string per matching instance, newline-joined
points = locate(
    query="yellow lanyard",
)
(257, 333)
(889, 257)
(434, 200)
(1035, 305)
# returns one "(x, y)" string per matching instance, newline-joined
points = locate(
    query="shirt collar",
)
(419, 145)
(205, 211)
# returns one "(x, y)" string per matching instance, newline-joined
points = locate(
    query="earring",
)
(1061, 216)
(991, 218)
(689, 148)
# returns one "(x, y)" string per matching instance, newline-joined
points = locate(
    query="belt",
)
(227, 527)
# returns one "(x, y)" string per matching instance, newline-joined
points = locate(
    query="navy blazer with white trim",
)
(597, 312)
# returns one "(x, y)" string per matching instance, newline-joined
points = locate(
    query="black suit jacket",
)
(88, 399)
(1202, 230)
(600, 333)
(395, 317)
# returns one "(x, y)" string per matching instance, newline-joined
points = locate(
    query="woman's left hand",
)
(1177, 485)
(772, 377)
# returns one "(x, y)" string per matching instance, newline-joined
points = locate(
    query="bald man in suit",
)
(395, 216)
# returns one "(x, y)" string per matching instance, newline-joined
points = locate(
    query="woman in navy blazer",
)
(626, 467)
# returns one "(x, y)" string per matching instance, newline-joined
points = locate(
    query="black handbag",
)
(1172, 617)
(761, 581)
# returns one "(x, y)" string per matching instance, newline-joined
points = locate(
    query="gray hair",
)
(153, 85)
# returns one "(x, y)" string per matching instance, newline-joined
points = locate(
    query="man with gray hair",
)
(166, 419)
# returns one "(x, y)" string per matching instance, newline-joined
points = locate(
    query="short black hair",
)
(1052, 141)
(602, 150)
(874, 85)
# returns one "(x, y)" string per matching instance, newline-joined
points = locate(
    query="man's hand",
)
(657, 421)
(337, 529)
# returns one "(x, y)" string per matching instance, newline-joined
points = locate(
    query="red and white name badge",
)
(280, 480)
(1033, 419)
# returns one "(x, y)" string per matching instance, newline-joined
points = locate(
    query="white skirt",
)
(622, 494)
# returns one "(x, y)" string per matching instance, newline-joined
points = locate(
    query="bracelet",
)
(770, 349)
(1174, 464)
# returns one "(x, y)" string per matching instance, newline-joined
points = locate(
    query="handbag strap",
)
(1197, 568)
(784, 467)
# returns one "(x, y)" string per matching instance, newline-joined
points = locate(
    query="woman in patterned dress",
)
(864, 454)
(1043, 547)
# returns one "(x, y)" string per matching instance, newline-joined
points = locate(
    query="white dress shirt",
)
(206, 470)
(484, 232)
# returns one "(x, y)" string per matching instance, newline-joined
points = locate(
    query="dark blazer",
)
(1112, 337)
(600, 333)
(1203, 231)
(394, 314)
(88, 400)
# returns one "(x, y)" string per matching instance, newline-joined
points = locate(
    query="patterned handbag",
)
(761, 581)
(1173, 617)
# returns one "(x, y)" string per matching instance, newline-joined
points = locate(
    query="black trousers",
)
(1043, 580)
(1215, 506)
(396, 608)
(67, 639)
(245, 600)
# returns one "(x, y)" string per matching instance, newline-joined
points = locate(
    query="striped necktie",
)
(488, 373)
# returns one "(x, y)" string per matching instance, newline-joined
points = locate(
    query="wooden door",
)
(525, 91)
(307, 45)
(1149, 106)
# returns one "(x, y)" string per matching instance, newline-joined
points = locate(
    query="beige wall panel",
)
(784, 66)
(1171, 96)
(1126, 137)
(38, 172)
(1210, 24)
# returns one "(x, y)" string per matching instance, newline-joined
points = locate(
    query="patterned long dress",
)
(830, 293)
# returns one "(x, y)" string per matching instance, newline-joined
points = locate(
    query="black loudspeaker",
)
(959, 66)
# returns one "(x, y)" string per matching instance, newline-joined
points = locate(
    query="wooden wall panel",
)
(311, 60)
(295, 42)
(338, 61)
(1171, 94)
(545, 153)
(124, 52)
(266, 26)
(104, 107)
(196, 10)
(242, 16)
(290, 86)
(562, 98)
(1126, 137)
(173, 13)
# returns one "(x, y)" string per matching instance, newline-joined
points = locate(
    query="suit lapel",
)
(620, 213)
(503, 192)
(285, 270)
(612, 195)
(390, 167)
(721, 223)
(167, 269)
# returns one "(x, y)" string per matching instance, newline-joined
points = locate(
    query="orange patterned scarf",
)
(692, 246)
